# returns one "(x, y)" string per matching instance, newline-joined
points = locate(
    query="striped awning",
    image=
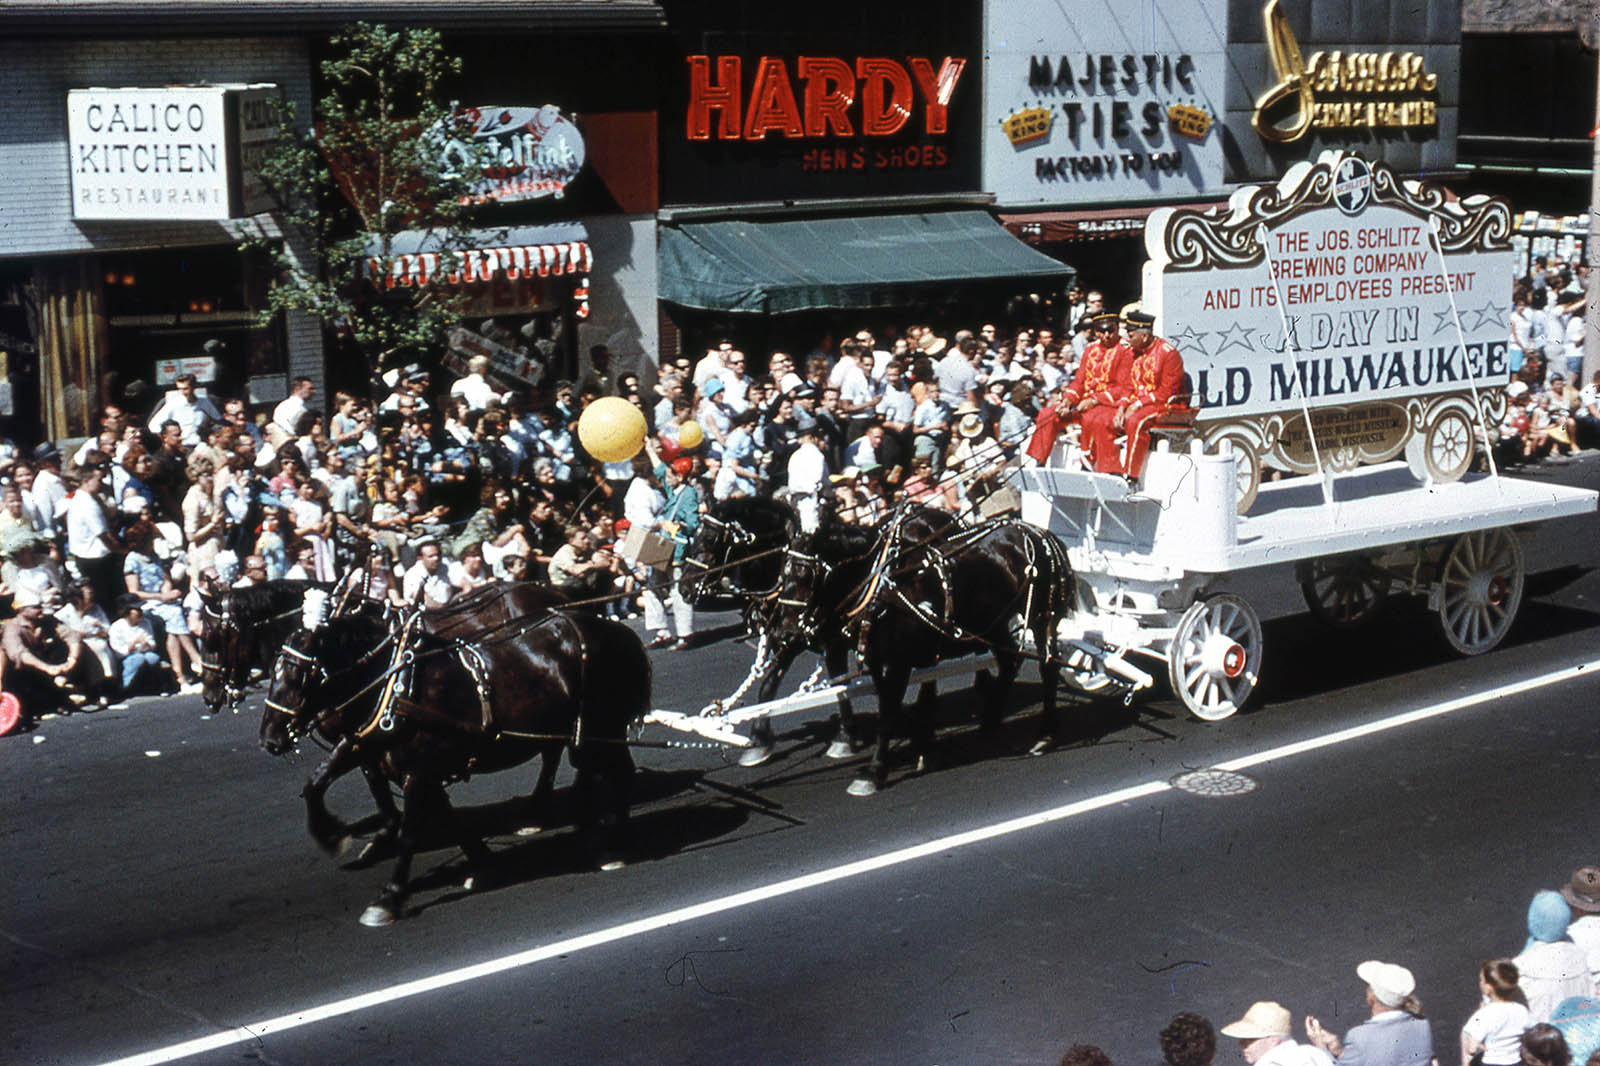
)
(480, 264)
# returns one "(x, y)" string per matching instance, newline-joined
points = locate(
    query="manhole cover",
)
(1214, 783)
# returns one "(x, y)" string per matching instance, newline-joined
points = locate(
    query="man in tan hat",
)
(1264, 1040)
(1395, 1033)
(1582, 894)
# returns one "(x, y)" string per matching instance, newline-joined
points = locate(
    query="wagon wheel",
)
(1447, 446)
(1247, 461)
(1480, 589)
(1344, 593)
(1215, 656)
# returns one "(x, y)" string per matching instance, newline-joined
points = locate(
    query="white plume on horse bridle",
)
(314, 609)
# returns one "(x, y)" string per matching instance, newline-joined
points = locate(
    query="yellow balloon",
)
(690, 435)
(611, 429)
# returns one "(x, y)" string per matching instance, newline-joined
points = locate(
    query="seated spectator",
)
(1582, 894)
(46, 667)
(1085, 1055)
(304, 567)
(1552, 967)
(1264, 1040)
(1493, 1034)
(1396, 1033)
(133, 638)
(1543, 1045)
(469, 572)
(148, 580)
(1188, 1040)
(579, 570)
(81, 615)
(425, 584)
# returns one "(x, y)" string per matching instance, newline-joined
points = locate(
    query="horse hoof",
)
(840, 749)
(755, 755)
(469, 884)
(1042, 746)
(612, 864)
(863, 786)
(377, 916)
(343, 850)
(530, 830)
(922, 764)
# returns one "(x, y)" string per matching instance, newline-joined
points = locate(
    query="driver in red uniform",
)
(1155, 384)
(1092, 399)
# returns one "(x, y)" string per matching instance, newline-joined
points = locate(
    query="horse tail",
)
(1061, 590)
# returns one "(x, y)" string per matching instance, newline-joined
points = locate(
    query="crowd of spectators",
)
(1552, 411)
(1539, 1008)
(110, 548)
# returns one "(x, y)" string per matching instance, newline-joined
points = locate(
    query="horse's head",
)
(297, 678)
(714, 542)
(219, 639)
(796, 612)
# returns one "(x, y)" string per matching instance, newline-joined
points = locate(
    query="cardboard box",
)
(643, 547)
(1002, 501)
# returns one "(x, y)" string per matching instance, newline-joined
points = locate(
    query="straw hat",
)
(931, 345)
(1264, 1018)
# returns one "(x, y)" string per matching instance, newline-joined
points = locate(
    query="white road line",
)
(311, 1015)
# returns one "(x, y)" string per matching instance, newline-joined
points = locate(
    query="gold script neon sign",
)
(1338, 89)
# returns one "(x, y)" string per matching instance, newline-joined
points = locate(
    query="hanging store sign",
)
(1075, 114)
(533, 152)
(1330, 290)
(1338, 90)
(177, 152)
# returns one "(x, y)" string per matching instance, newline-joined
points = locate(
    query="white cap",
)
(1391, 984)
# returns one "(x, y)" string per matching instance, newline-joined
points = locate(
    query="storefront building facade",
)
(120, 268)
(1097, 114)
(821, 170)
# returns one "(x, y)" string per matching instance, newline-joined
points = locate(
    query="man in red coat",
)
(1092, 399)
(1155, 384)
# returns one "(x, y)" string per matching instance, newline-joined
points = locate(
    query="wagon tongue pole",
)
(1294, 354)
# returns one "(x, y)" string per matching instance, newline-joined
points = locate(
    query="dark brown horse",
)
(485, 690)
(917, 599)
(241, 632)
(738, 553)
(821, 575)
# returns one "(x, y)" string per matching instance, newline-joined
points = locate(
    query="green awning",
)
(776, 267)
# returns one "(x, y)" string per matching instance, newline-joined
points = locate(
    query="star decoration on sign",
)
(1190, 340)
(1442, 321)
(1491, 313)
(1235, 334)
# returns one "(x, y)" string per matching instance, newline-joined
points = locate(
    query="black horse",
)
(833, 565)
(738, 553)
(486, 691)
(242, 630)
(917, 598)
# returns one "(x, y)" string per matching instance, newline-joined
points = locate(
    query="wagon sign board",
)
(1377, 304)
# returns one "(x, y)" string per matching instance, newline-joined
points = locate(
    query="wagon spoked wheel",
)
(1215, 656)
(1480, 590)
(1447, 446)
(1344, 593)
(1247, 463)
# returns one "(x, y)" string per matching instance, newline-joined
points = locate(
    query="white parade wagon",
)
(1341, 299)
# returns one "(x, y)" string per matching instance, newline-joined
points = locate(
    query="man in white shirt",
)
(474, 387)
(857, 397)
(735, 381)
(182, 406)
(424, 584)
(49, 491)
(287, 413)
(808, 471)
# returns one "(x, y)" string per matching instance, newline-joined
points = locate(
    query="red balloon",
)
(669, 448)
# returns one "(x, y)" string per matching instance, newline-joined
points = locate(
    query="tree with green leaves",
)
(384, 158)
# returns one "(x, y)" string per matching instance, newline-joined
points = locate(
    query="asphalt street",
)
(161, 887)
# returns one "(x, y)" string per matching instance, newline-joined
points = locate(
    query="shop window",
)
(194, 310)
